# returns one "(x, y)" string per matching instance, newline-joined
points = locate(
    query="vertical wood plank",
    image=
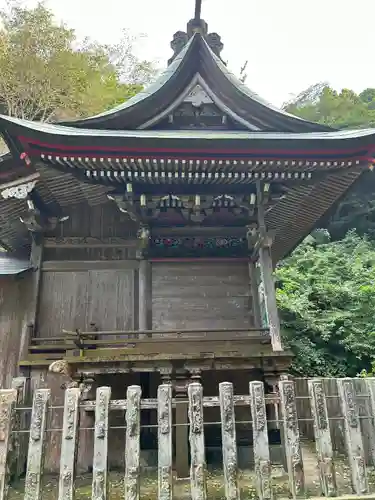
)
(144, 289)
(198, 485)
(8, 398)
(165, 485)
(322, 434)
(37, 442)
(132, 446)
(69, 444)
(260, 439)
(353, 438)
(100, 461)
(19, 442)
(255, 295)
(228, 438)
(292, 438)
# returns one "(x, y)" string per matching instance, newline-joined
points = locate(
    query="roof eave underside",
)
(197, 58)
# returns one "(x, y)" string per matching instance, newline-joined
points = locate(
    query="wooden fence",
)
(12, 443)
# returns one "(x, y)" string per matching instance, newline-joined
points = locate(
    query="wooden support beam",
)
(255, 295)
(266, 268)
(144, 290)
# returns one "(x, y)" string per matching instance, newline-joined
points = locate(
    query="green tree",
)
(45, 74)
(326, 293)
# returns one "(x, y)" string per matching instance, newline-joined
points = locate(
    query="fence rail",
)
(12, 447)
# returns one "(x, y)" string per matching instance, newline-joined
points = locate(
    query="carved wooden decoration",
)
(100, 461)
(132, 450)
(165, 486)
(198, 486)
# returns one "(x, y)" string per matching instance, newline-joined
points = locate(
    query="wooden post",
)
(144, 287)
(30, 318)
(323, 441)
(182, 432)
(198, 484)
(69, 444)
(228, 438)
(37, 444)
(370, 384)
(353, 438)
(8, 398)
(260, 439)
(19, 442)
(132, 446)
(165, 485)
(265, 260)
(292, 439)
(255, 295)
(100, 462)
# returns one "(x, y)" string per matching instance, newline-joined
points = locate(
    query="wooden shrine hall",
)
(140, 243)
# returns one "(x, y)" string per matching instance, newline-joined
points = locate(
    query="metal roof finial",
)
(198, 9)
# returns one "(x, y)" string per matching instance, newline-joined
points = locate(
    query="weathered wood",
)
(19, 442)
(69, 445)
(182, 432)
(229, 444)
(90, 242)
(292, 438)
(266, 269)
(165, 485)
(8, 398)
(144, 290)
(198, 484)
(323, 441)
(88, 265)
(132, 447)
(255, 295)
(100, 461)
(353, 438)
(262, 460)
(37, 442)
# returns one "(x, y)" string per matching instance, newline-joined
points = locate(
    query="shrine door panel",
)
(195, 296)
(70, 300)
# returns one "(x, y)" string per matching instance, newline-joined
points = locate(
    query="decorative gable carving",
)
(198, 96)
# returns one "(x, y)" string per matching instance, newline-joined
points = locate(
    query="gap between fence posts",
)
(323, 440)
(100, 461)
(165, 484)
(19, 441)
(132, 446)
(262, 462)
(37, 445)
(292, 438)
(8, 398)
(353, 438)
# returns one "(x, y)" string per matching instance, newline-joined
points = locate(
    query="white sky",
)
(290, 44)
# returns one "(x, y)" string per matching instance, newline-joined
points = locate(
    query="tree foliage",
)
(326, 296)
(45, 74)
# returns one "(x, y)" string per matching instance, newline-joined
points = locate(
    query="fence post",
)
(19, 442)
(100, 461)
(228, 438)
(165, 486)
(37, 441)
(370, 384)
(8, 399)
(132, 446)
(198, 486)
(353, 438)
(69, 444)
(292, 440)
(260, 439)
(322, 434)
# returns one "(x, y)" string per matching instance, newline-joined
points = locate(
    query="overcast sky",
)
(290, 44)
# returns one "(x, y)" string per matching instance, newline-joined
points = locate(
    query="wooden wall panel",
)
(14, 294)
(200, 295)
(70, 300)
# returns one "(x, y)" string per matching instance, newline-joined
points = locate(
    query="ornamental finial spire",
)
(198, 9)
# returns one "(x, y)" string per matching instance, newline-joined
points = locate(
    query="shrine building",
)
(139, 244)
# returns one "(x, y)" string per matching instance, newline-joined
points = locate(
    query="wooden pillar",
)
(145, 291)
(255, 295)
(265, 260)
(182, 431)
